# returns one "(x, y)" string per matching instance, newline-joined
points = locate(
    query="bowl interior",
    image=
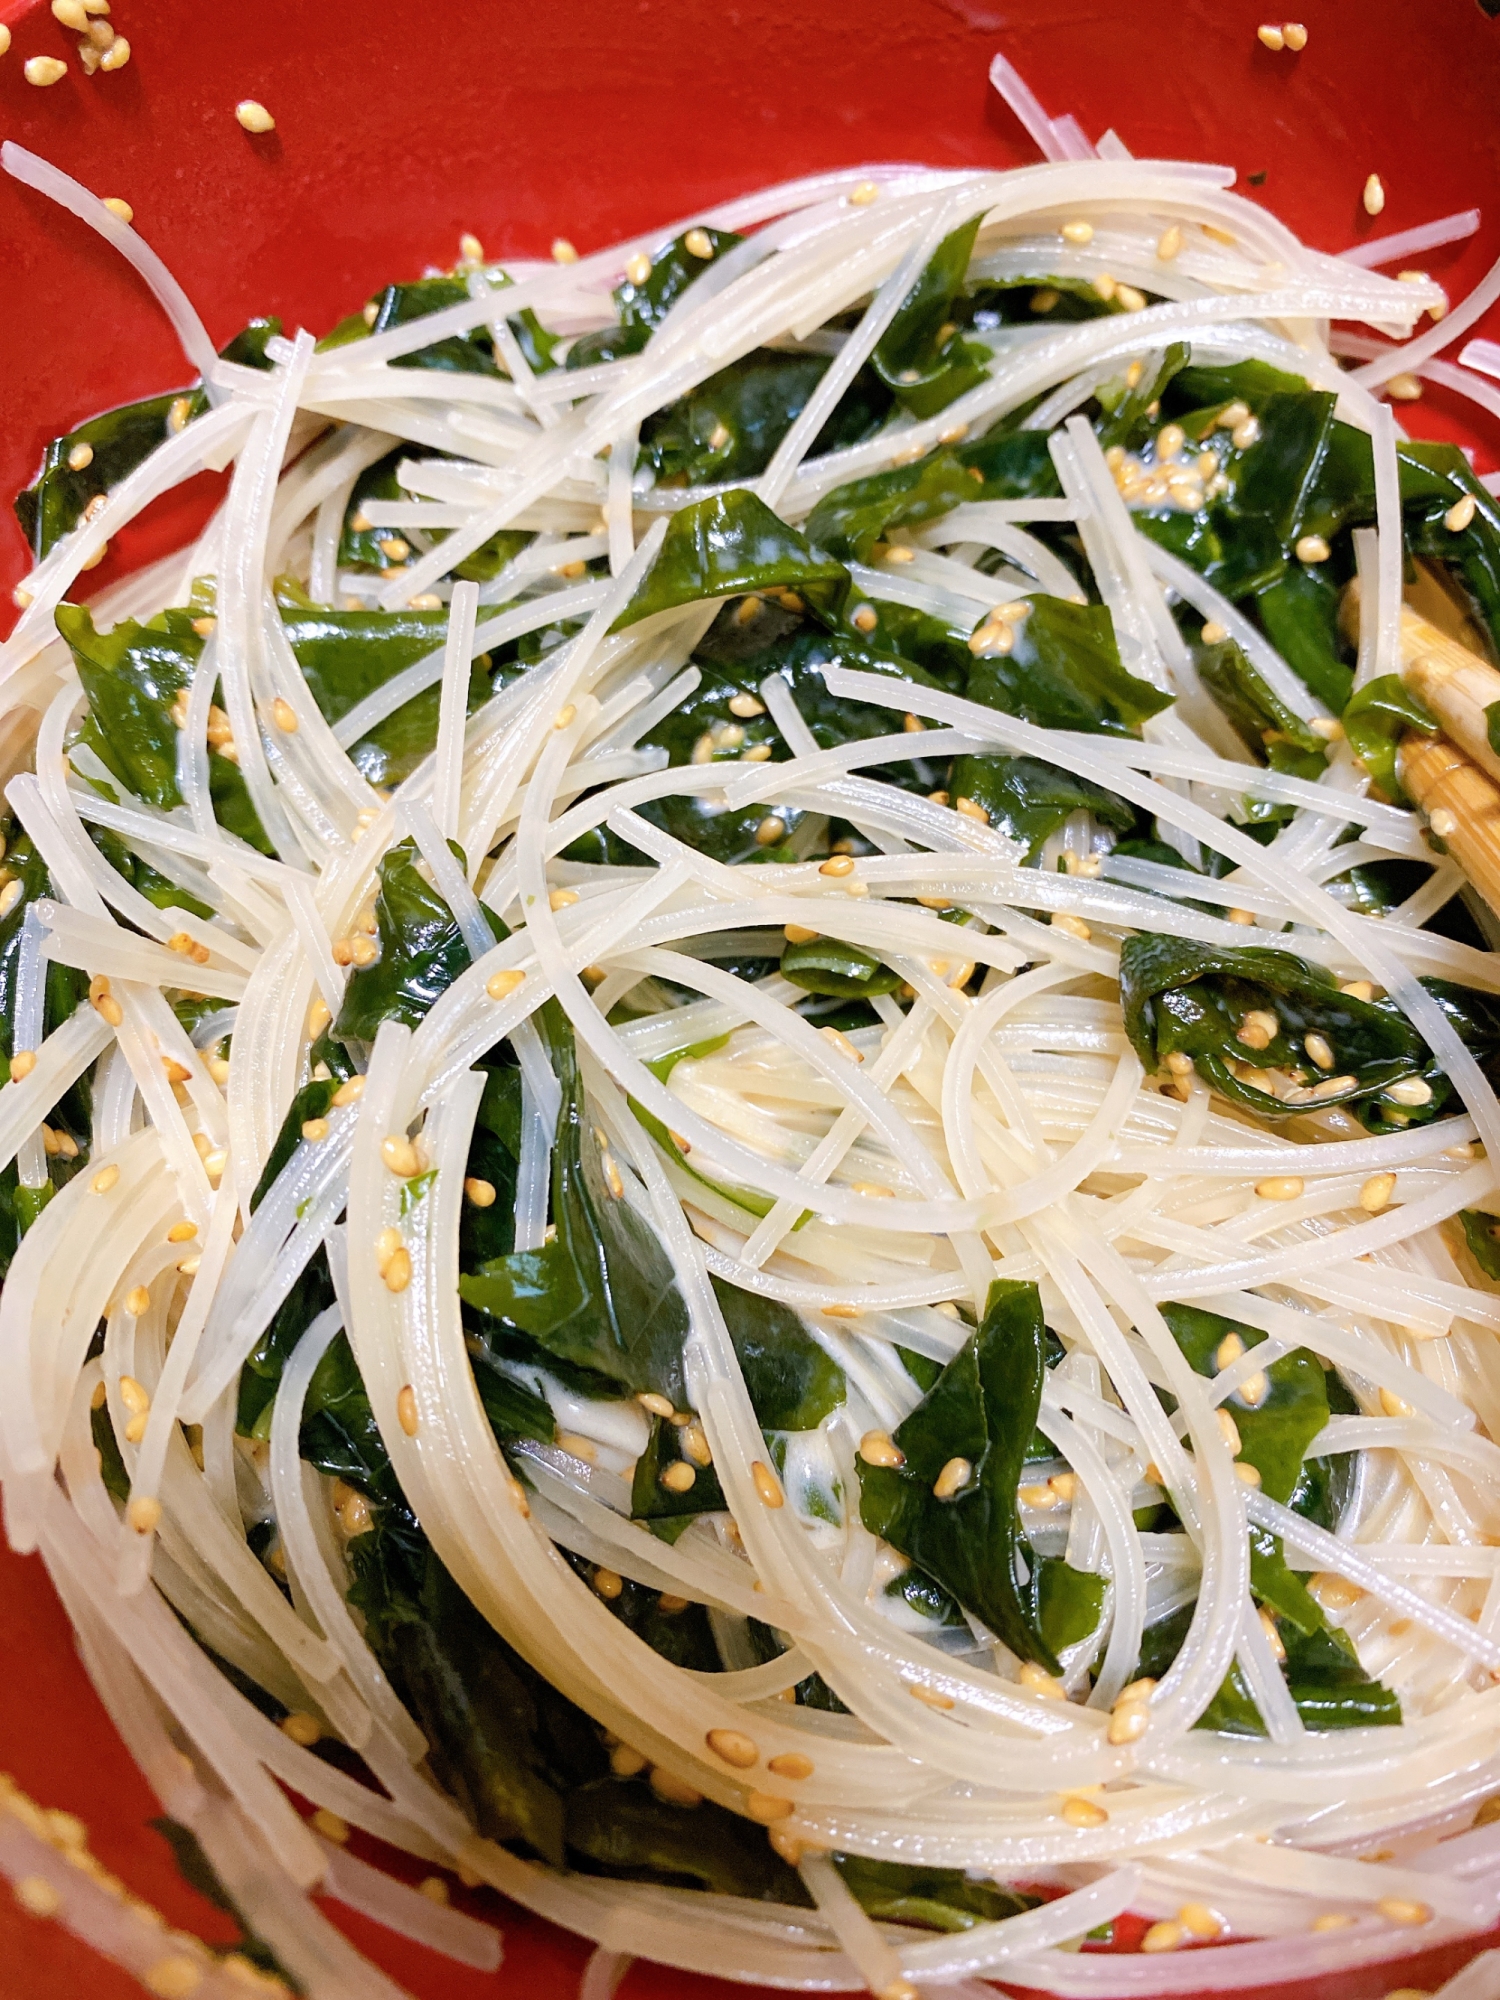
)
(396, 132)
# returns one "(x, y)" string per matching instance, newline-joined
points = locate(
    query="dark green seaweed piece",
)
(729, 427)
(642, 307)
(118, 442)
(728, 544)
(602, 1293)
(133, 676)
(422, 950)
(1178, 995)
(1029, 799)
(1377, 717)
(935, 1899)
(922, 355)
(982, 1409)
(1063, 671)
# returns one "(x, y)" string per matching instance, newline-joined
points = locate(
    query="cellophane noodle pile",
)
(740, 1126)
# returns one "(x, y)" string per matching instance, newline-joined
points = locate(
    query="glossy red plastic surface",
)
(398, 129)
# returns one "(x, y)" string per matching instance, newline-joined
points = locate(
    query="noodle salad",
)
(749, 1126)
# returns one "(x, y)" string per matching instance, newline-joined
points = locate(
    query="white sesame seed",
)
(1295, 35)
(1270, 36)
(116, 55)
(44, 71)
(1312, 549)
(1460, 514)
(1443, 823)
(563, 251)
(1404, 389)
(863, 193)
(1078, 232)
(253, 116)
(698, 243)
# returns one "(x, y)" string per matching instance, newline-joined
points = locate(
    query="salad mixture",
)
(750, 1125)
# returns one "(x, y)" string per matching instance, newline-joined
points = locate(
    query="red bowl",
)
(394, 134)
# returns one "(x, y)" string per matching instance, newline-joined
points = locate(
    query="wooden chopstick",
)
(1462, 804)
(1454, 683)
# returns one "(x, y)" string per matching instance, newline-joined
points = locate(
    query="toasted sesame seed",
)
(116, 55)
(655, 1405)
(1043, 1498)
(1072, 926)
(314, 1130)
(877, 1448)
(1229, 1430)
(1128, 1724)
(746, 705)
(767, 1486)
(479, 1193)
(1078, 232)
(104, 1180)
(954, 1476)
(563, 251)
(694, 1442)
(285, 716)
(1295, 35)
(799, 934)
(771, 829)
(1132, 300)
(698, 243)
(1332, 1920)
(766, 1809)
(1358, 989)
(400, 1155)
(608, 1584)
(1179, 1063)
(406, 1410)
(837, 864)
(1312, 549)
(1270, 36)
(1254, 1390)
(929, 1697)
(1246, 434)
(143, 1513)
(1039, 1681)
(253, 116)
(45, 70)
(1412, 1090)
(1169, 243)
(182, 1232)
(1443, 823)
(1460, 514)
(1376, 1192)
(863, 193)
(734, 1747)
(1104, 285)
(1248, 1475)
(1404, 1910)
(1279, 1187)
(865, 619)
(22, 1063)
(679, 1476)
(1392, 1405)
(35, 1893)
(1404, 389)
(840, 1041)
(1083, 1812)
(638, 268)
(500, 986)
(137, 1301)
(1374, 195)
(1168, 1935)
(396, 1272)
(1319, 1051)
